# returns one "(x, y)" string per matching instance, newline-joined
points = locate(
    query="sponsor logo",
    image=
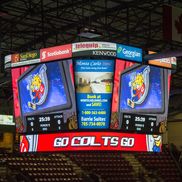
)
(43, 55)
(29, 55)
(128, 53)
(58, 52)
(171, 60)
(55, 53)
(104, 53)
(164, 62)
(85, 46)
(131, 53)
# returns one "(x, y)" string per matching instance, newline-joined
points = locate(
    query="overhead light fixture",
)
(89, 33)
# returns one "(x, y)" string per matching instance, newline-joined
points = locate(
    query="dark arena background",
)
(90, 91)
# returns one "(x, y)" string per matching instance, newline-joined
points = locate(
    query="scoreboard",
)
(70, 90)
(43, 123)
(139, 123)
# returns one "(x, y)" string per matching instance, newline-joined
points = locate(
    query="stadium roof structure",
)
(34, 24)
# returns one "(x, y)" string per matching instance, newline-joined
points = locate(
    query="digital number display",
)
(40, 123)
(139, 123)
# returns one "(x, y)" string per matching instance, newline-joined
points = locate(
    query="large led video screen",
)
(93, 101)
(108, 94)
(141, 89)
(43, 89)
(44, 99)
(140, 98)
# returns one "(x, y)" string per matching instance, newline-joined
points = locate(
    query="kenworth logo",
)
(130, 53)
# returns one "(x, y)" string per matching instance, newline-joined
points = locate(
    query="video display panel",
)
(42, 88)
(90, 140)
(94, 83)
(140, 98)
(44, 97)
(102, 99)
(141, 89)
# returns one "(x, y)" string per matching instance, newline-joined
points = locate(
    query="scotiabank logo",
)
(54, 53)
(44, 55)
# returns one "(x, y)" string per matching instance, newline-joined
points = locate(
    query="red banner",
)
(75, 141)
(57, 52)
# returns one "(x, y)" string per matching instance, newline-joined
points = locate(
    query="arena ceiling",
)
(33, 24)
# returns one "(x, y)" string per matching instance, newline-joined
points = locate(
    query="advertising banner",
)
(105, 49)
(55, 53)
(90, 141)
(129, 53)
(25, 58)
(7, 62)
(94, 82)
(170, 62)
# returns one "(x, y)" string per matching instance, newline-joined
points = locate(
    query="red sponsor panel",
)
(16, 73)
(90, 141)
(55, 53)
(120, 66)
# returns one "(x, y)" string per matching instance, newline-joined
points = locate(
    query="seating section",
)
(160, 164)
(110, 166)
(47, 167)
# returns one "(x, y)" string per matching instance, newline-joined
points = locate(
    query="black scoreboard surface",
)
(139, 123)
(45, 123)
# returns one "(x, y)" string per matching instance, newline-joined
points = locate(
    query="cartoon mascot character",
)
(157, 143)
(38, 88)
(139, 87)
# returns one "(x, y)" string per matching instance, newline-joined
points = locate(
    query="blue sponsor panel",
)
(129, 53)
(94, 110)
(94, 83)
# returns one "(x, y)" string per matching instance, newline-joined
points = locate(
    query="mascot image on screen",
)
(157, 143)
(38, 88)
(139, 87)
(154, 143)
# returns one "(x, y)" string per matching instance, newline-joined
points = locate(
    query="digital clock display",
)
(42, 123)
(139, 123)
